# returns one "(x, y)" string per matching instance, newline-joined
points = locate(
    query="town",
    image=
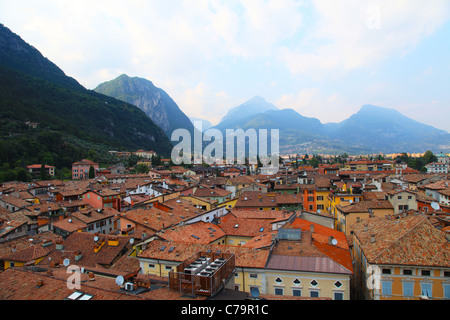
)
(361, 228)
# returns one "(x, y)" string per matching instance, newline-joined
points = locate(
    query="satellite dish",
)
(351, 201)
(96, 238)
(254, 292)
(119, 280)
(66, 262)
(70, 220)
(334, 242)
(319, 211)
(131, 241)
(436, 206)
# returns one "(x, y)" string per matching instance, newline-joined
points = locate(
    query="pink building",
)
(80, 170)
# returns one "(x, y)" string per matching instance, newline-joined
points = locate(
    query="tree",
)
(429, 157)
(22, 175)
(43, 173)
(91, 172)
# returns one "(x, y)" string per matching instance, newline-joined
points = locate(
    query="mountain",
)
(204, 123)
(71, 121)
(374, 128)
(371, 130)
(254, 106)
(155, 102)
(18, 55)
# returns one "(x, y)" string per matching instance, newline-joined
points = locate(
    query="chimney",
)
(447, 236)
(78, 255)
(372, 238)
(330, 240)
(311, 227)
(40, 283)
(366, 227)
(91, 276)
(59, 245)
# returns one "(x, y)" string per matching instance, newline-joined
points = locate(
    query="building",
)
(105, 198)
(404, 258)
(347, 216)
(309, 260)
(80, 170)
(35, 169)
(437, 167)
(145, 154)
(402, 200)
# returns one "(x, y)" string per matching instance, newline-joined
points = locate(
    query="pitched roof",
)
(411, 240)
(199, 232)
(22, 284)
(243, 227)
(365, 206)
(85, 243)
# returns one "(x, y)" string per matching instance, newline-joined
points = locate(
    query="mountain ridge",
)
(371, 129)
(153, 101)
(72, 122)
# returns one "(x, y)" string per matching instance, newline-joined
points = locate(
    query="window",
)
(314, 294)
(408, 289)
(168, 267)
(338, 296)
(278, 291)
(298, 292)
(338, 284)
(319, 198)
(296, 282)
(310, 199)
(253, 275)
(426, 273)
(386, 271)
(151, 266)
(407, 272)
(446, 291)
(425, 289)
(279, 280)
(314, 283)
(386, 288)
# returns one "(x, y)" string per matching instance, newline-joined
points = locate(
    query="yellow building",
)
(401, 259)
(28, 256)
(346, 216)
(204, 203)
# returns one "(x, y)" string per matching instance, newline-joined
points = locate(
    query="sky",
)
(323, 58)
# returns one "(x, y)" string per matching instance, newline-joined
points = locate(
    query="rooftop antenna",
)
(66, 262)
(120, 280)
(254, 292)
(435, 206)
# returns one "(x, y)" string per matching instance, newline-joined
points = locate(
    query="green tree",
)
(43, 173)
(22, 175)
(91, 172)
(429, 157)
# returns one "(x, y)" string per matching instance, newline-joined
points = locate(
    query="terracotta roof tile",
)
(406, 241)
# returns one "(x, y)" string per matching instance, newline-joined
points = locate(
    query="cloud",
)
(349, 35)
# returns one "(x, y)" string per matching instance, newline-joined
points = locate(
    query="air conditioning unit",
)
(129, 286)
